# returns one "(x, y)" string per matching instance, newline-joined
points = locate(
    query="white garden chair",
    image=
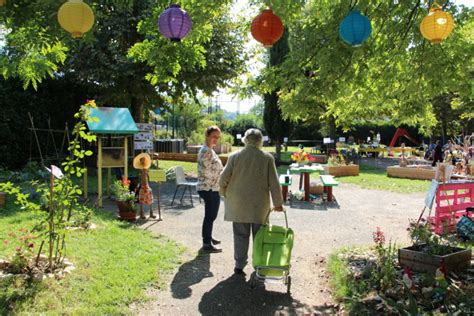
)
(182, 182)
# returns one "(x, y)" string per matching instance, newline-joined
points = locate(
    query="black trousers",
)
(212, 200)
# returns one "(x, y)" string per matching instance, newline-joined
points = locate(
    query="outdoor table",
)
(285, 183)
(305, 171)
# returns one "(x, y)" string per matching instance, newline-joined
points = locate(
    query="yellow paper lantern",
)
(437, 25)
(76, 17)
(3, 2)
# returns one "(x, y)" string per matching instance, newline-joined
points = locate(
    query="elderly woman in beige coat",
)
(248, 180)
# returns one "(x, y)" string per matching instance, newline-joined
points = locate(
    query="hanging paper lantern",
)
(76, 17)
(267, 28)
(437, 25)
(174, 23)
(355, 29)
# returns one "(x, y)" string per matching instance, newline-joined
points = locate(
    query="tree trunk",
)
(137, 109)
(278, 152)
(332, 129)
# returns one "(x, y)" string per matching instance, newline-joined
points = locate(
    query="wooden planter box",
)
(411, 173)
(419, 261)
(341, 171)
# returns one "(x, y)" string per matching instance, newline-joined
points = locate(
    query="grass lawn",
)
(115, 263)
(376, 179)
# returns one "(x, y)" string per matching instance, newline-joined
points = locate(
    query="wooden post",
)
(125, 147)
(99, 172)
(109, 172)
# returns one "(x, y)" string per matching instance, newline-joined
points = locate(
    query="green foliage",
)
(422, 235)
(454, 115)
(122, 192)
(33, 49)
(54, 104)
(58, 199)
(124, 59)
(243, 122)
(393, 76)
(116, 260)
(341, 279)
(384, 274)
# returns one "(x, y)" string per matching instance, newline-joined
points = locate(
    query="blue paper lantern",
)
(355, 29)
(174, 23)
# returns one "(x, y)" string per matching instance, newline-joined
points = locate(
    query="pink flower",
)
(379, 237)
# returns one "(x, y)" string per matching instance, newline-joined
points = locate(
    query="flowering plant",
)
(302, 156)
(121, 190)
(23, 239)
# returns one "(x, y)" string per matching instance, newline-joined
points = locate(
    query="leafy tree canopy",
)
(392, 77)
(124, 56)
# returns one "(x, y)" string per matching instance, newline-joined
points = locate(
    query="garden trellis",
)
(44, 148)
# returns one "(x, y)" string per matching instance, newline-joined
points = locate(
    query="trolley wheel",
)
(253, 280)
(288, 285)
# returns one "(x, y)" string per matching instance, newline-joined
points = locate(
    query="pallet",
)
(452, 200)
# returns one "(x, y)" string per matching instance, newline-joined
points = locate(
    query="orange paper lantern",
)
(437, 25)
(267, 28)
(3, 2)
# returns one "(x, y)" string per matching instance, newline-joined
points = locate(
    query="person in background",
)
(209, 170)
(438, 153)
(248, 180)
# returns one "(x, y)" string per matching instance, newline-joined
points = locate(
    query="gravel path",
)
(205, 284)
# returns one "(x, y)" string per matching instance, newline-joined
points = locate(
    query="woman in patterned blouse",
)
(209, 170)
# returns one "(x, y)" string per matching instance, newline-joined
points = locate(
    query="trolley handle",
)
(268, 217)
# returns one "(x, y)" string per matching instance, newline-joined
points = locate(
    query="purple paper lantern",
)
(174, 23)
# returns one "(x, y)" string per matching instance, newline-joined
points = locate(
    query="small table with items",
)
(305, 172)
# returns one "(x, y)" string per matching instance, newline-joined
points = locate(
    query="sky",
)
(233, 104)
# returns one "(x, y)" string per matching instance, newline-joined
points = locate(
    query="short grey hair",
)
(253, 137)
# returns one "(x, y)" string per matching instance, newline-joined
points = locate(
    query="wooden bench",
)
(328, 182)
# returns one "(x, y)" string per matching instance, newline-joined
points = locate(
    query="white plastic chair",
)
(182, 182)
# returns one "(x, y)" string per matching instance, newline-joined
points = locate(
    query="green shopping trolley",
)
(272, 254)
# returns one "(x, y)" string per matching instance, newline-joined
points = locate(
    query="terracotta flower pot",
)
(126, 211)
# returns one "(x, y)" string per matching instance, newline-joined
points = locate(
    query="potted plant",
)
(430, 251)
(342, 164)
(125, 199)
